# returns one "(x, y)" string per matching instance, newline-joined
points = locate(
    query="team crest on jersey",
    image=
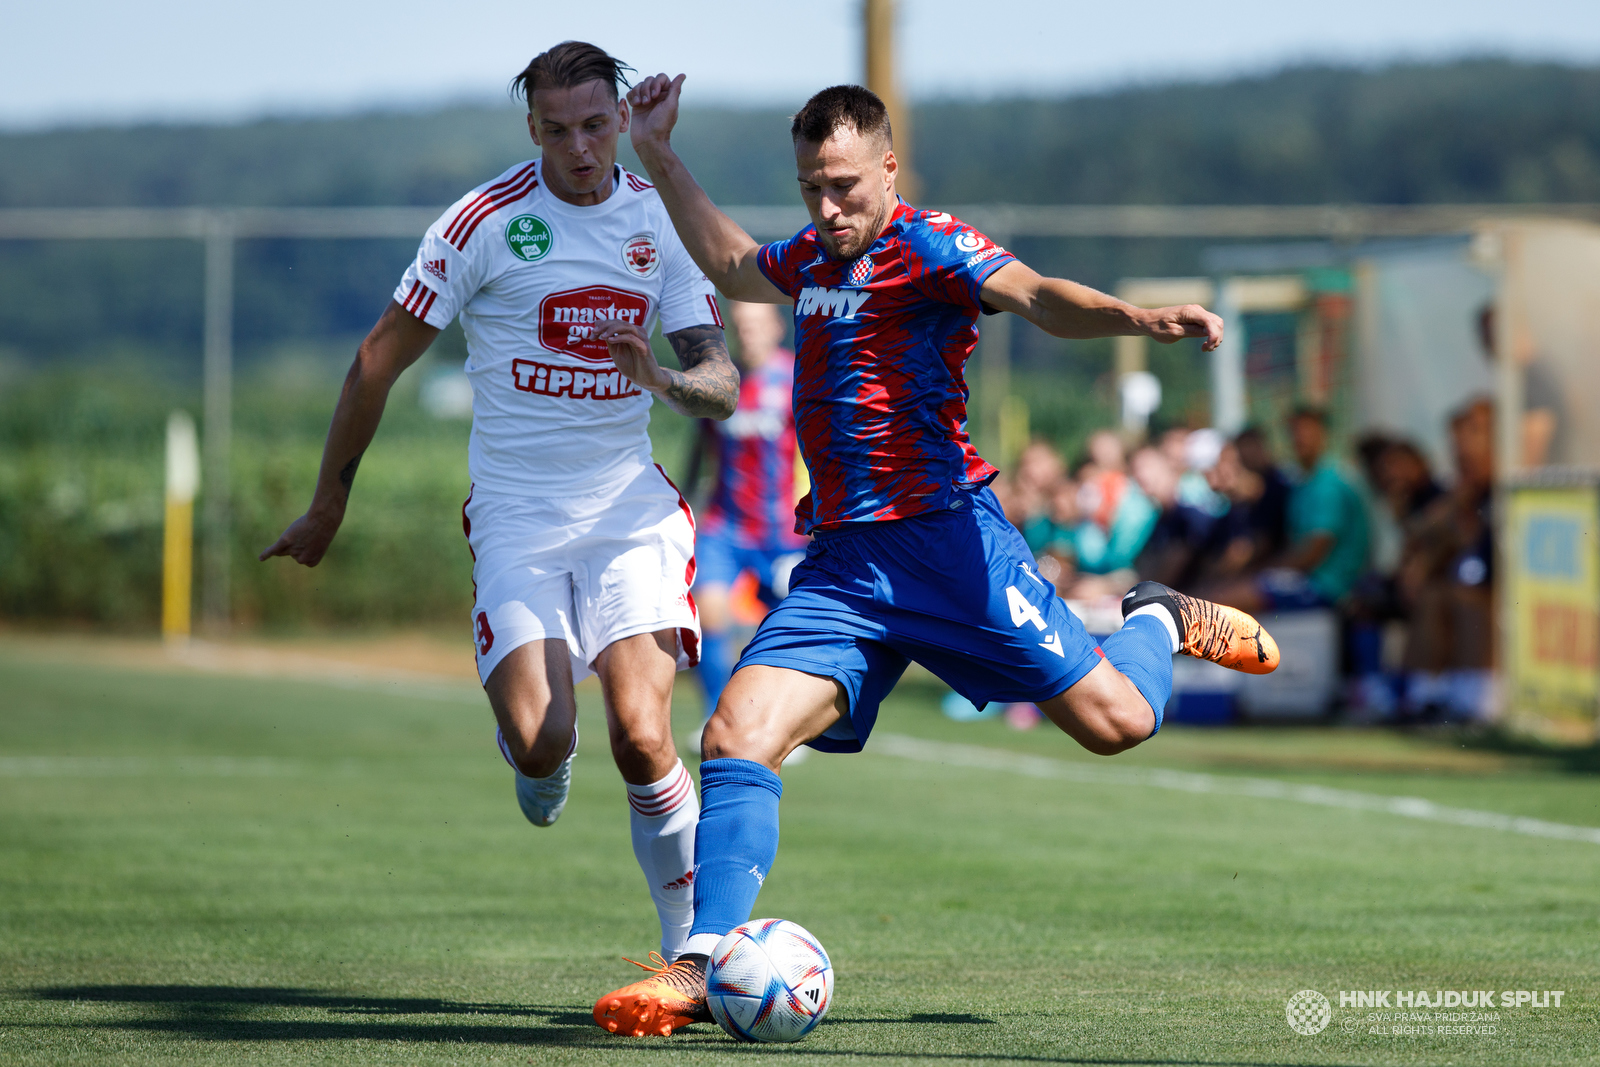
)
(860, 272)
(639, 254)
(567, 319)
(529, 238)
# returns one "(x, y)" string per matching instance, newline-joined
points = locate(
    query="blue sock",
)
(1142, 651)
(735, 842)
(716, 665)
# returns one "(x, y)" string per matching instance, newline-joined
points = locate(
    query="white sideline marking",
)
(167, 766)
(991, 759)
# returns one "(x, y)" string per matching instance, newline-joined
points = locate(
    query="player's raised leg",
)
(764, 714)
(636, 675)
(1120, 702)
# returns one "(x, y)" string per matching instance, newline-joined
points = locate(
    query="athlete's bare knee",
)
(1119, 728)
(731, 736)
(540, 755)
(640, 735)
(1103, 711)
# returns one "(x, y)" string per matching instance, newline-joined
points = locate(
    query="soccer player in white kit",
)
(583, 550)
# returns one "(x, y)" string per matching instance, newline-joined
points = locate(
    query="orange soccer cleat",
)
(1210, 631)
(670, 999)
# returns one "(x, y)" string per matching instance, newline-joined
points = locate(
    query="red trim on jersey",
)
(638, 185)
(716, 316)
(488, 194)
(419, 300)
(488, 202)
(689, 639)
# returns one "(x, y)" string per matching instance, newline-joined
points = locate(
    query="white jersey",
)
(531, 276)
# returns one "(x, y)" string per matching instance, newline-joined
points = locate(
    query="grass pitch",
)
(216, 869)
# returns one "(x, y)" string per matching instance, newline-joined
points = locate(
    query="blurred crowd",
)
(1398, 551)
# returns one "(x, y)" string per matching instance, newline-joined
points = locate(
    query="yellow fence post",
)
(177, 557)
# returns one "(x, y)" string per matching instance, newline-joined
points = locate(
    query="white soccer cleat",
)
(542, 799)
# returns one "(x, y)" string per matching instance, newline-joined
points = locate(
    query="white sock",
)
(663, 819)
(1160, 611)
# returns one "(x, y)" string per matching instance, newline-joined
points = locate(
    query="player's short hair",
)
(842, 105)
(569, 64)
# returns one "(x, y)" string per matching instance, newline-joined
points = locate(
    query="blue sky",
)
(93, 61)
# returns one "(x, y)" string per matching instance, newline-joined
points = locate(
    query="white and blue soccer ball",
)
(769, 980)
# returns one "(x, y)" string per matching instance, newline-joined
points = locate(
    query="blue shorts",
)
(719, 561)
(954, 590)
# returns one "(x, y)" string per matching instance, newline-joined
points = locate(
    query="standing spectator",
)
(749, 523)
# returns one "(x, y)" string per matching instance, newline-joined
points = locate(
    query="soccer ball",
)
(769, 980)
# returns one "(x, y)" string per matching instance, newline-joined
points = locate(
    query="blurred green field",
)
(81, 468)
(213, 869)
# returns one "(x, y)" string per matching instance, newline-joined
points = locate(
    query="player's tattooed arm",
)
(347, 473)
(708, 385)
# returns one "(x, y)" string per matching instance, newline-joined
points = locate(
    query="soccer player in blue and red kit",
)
(748, 525)
(911, 556)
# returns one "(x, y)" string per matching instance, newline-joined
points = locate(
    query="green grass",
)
(363, 890)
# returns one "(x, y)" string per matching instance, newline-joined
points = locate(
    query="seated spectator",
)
(1405, 480)
(1116, 515)
(1445, 580)
(1102, 478)
(1326, 530)
(1191, 453)
(1172, 551)
(1039, 469)
(1248, 534)
(1273, 510)
(1402, 487)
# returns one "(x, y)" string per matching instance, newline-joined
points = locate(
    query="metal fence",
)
(220, 228)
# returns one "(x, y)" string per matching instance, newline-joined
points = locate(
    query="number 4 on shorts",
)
(1021, 610)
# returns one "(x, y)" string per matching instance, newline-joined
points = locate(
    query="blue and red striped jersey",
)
(753, 502)
(880, 397)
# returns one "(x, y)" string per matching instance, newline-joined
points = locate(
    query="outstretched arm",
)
(719, 246)
(708, 385)
(1067, 309)
(396, 342)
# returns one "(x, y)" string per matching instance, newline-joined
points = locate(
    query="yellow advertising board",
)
(1552, 560)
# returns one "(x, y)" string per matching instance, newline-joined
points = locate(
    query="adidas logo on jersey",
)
(435, 267)
(835, 303)
(542, 378)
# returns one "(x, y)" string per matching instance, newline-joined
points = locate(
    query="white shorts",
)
(589, 570)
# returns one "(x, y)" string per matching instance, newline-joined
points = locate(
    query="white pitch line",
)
(991, 759)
